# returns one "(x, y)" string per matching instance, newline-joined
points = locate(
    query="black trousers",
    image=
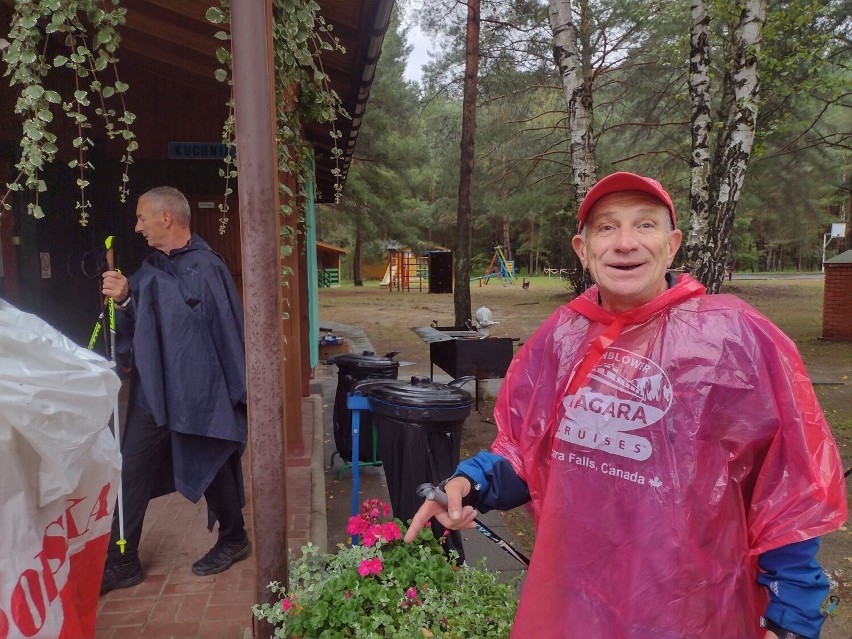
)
(146, 472)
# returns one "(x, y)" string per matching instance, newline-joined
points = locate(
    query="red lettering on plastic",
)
(4, 625)
(29, 609)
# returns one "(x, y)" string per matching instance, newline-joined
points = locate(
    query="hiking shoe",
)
(221, 557)
(121, 575)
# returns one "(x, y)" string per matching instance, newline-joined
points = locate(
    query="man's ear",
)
(578, 243)
(675, 239)
(168, 217)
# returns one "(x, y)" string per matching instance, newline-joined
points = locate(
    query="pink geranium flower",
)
(385, 533)
(391, 532)
(411, 598)
(370, 567)
(370, 537)
(381, 532)
(357, 525)
(372, 510)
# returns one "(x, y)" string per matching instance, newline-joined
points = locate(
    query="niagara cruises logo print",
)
(623, 394)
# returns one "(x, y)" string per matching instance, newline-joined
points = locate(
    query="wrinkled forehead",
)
(639, 199)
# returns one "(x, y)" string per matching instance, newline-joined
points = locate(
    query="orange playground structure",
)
(404, 267)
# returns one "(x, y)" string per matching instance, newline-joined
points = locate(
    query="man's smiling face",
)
(627, 245)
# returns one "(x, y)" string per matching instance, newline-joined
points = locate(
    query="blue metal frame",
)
(356, 403)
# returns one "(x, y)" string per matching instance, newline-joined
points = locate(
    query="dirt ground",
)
(793, 304)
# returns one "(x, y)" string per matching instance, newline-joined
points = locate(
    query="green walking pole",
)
(96, 332)
(109, 304)
(100, 323)
(116, 426)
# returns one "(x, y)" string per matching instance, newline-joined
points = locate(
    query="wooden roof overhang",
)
(174, 38)
(331, 248)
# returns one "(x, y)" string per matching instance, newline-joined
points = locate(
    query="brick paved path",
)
(171, 601)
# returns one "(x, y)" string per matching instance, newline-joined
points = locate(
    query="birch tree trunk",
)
(572, 49)
(700, 128)
(461, 293)
(577, 88)
(709, 239)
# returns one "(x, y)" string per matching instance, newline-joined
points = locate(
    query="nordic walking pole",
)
(433, 493)
(116, 422)
(96, 332)
(102, 317)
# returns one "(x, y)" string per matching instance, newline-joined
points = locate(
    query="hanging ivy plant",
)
(300, 36)
(50, 38)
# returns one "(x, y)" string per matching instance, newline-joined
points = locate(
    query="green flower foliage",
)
(387, 588)
(82, 36)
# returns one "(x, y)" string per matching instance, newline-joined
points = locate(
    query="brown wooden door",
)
(206, 221)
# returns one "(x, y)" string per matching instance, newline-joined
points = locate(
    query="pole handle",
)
(432, 493)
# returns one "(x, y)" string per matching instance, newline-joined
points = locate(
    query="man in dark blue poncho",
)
(186, 421)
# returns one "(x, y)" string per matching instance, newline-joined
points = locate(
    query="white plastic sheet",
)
(59, 473)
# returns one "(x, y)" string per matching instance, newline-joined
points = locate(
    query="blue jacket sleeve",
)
(496, 485)
(797, 587)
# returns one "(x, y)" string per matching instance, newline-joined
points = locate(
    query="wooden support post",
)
(254, 105)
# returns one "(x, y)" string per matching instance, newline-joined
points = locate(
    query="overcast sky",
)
(419, 56)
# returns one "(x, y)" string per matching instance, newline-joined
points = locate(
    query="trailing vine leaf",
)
(86, 36)
(300, 35)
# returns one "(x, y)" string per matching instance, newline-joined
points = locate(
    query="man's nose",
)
(138, 227)
(625, 239)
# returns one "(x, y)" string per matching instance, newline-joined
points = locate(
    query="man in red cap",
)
(670, 446)
(631, 241)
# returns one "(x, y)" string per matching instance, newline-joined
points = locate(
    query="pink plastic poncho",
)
(693, 444)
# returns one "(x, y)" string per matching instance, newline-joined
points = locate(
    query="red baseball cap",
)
(623, 181)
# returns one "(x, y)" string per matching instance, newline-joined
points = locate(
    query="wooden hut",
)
(167, 56)
(329, 264)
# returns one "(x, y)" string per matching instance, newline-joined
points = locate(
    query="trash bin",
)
(351, 368)
(440, 271)
(419, 427)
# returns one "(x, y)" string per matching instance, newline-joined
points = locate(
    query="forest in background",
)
(402, 187)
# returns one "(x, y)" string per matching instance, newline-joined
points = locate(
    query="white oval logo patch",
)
(622, 394)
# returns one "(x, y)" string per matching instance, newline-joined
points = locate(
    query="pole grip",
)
(432, 493)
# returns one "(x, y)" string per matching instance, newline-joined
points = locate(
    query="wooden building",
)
(51, 266)
(329, 264)
(837, 300)
(167, 57)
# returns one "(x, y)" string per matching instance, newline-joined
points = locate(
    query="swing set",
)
(499, 267)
